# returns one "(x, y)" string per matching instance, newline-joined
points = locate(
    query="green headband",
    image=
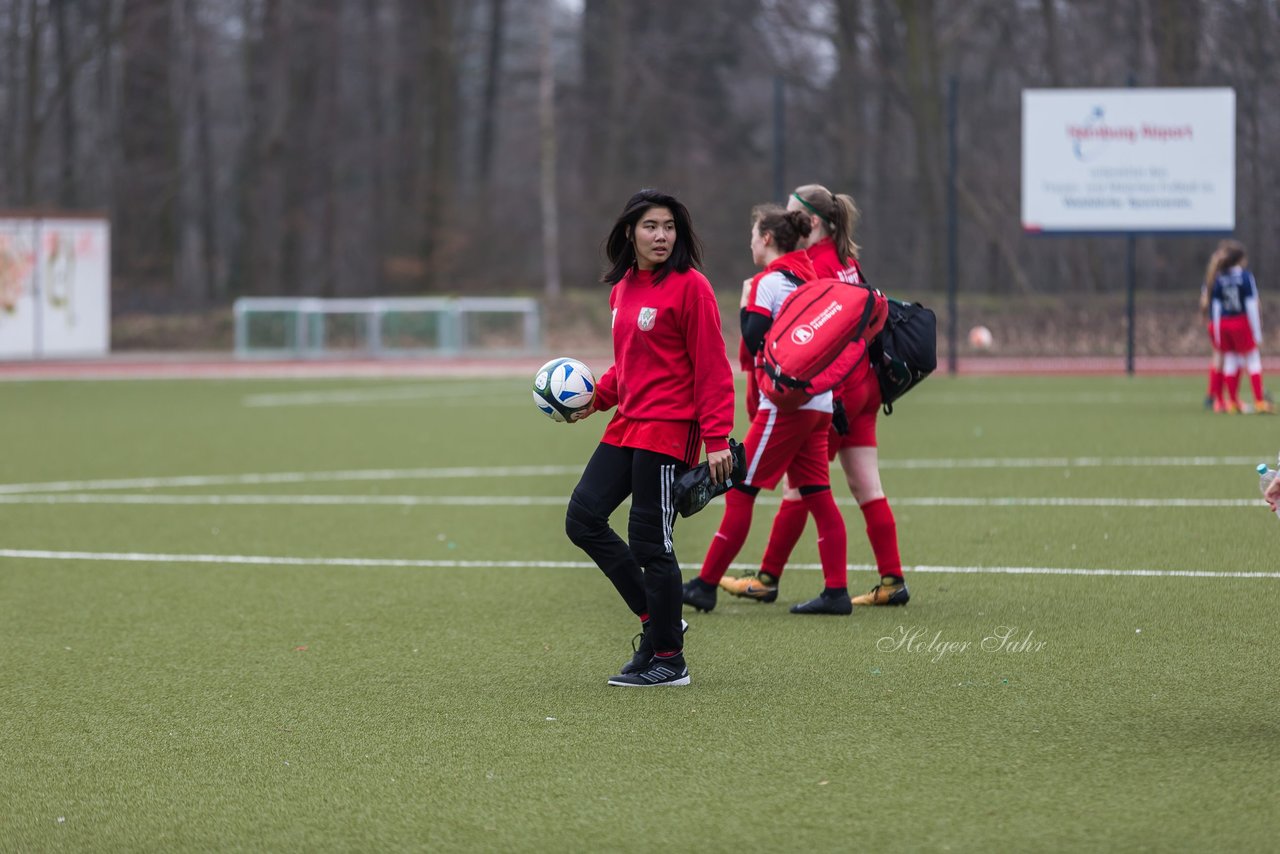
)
(812, 209)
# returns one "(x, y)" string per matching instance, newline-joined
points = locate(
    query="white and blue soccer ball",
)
(562, 388)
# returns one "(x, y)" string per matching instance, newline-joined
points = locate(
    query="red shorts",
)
(860, 395)
(1209, 328)
(1235, 336)
(790, 443)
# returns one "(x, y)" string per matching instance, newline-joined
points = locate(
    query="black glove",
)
(694, 489)
(839, 420)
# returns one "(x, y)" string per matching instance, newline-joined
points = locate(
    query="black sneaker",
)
(698, 595)
(643, 649)
(660, 672)
(826, 603)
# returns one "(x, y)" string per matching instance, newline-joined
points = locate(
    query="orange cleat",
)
(750, 587)
(890, 591)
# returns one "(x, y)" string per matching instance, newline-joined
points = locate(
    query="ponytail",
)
(846, 219)
(839, 215)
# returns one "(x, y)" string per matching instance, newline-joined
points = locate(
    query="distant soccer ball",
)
(562, 388)
(980, 337)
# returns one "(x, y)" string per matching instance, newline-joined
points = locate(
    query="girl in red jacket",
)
(835, 255)
(673, 389)
(780, 443)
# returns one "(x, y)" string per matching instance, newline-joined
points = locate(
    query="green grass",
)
(173, 705)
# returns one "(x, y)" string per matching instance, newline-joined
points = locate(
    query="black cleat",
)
(659, 673)
(826, 603)
(643, 649)
(693, 490)
(698, 595)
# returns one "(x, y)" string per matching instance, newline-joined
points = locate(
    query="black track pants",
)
(645, 571)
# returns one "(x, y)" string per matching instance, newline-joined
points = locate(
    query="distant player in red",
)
(853, 437)
(673, 387)
(1213, 398)
(790, 443)
(1236, 325)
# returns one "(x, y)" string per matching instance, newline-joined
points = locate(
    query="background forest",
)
(361, 147)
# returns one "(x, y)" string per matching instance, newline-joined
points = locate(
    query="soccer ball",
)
(980, 337)
(562, 388)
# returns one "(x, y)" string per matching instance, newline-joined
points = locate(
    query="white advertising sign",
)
(75, 315)
(54, 287)
(17, 288)
(1123, 160)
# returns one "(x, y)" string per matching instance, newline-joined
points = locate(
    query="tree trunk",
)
(604, 63)
(329, 45)
(206, 164)
(848, 93)
(377, 151)
(926, 113)
(547, 126)
(147, 192)
(442, 85)
(68, 192)
(30, 101)
(1049, 12)
(1175, 26)
(489, 100)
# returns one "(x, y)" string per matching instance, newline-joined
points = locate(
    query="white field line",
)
(461, 394)
(296, 500)
(552, 471)
(393, 563)
(290, 477)
(562, 500)
(1065, 462)
(1047, 397)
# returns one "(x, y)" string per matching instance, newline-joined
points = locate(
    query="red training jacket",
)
(827, 263)
(669, 355)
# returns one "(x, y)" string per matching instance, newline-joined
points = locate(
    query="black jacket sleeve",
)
(754, 327)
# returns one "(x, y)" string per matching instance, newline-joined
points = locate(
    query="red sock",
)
(1255, 380)
(882, 531)
(1233, 388)
(833, 542)
(728, 541)
(1215, 386)
(788, 525)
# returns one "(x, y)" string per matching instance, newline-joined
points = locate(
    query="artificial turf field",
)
(343, 615)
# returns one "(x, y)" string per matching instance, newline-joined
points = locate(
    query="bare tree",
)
(492, 82)
(147, 217)
(547, 135)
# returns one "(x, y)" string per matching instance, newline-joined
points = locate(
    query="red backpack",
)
(819, 336)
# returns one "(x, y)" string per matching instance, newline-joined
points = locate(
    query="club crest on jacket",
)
(646, 318)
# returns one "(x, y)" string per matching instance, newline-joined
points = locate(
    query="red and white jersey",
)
(669, 356)
(769, 290)
(827, 263)
(862, 383)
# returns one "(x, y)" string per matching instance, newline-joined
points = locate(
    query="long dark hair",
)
(621, 252)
